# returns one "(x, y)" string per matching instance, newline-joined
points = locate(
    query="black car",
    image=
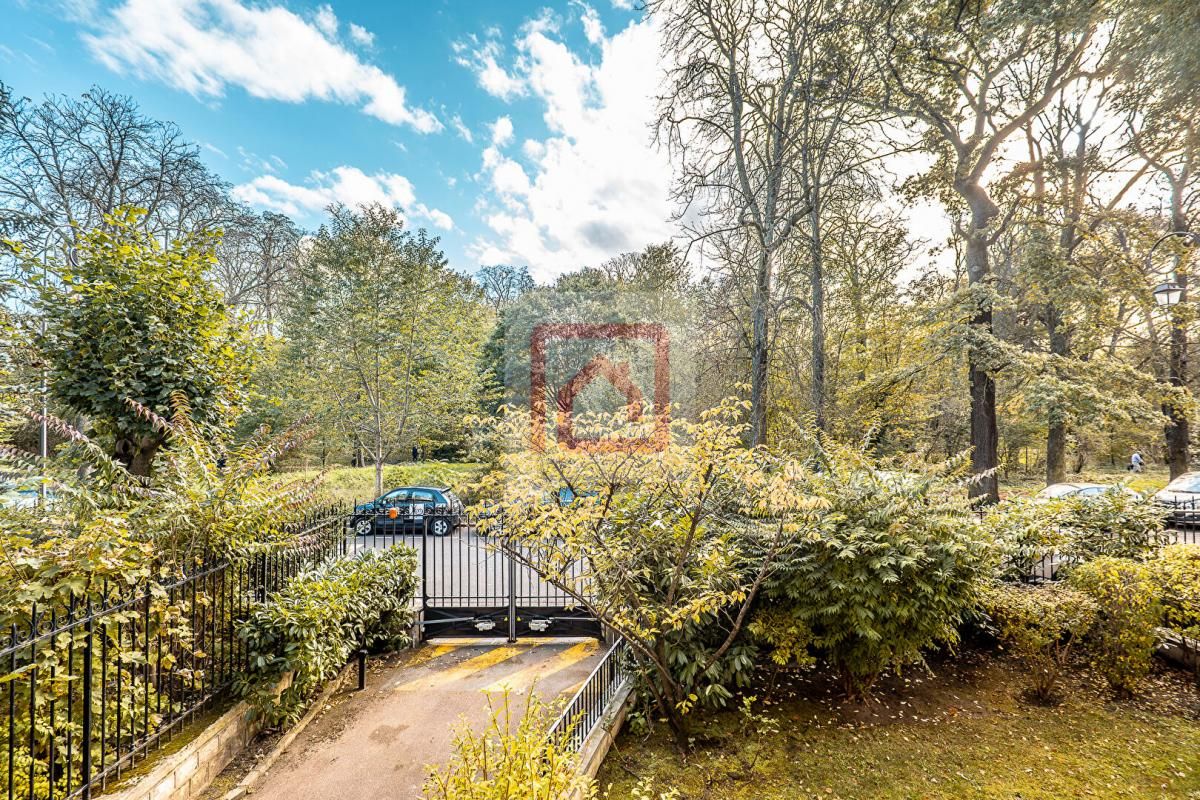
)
(410, 509)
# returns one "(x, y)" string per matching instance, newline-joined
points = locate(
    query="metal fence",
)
(474, 580)
(1182, 526)
(93, 685)
(587, 708)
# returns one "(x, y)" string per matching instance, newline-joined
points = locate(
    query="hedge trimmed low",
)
(311, 627)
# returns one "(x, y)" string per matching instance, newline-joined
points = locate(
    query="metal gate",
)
(478, 585)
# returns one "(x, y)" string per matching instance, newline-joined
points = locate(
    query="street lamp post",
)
(1171, 294)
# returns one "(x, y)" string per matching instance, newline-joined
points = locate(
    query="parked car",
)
(410, 509)
(1061, 491)
(1182, 497)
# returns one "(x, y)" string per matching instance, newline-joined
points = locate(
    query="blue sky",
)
(519, 132)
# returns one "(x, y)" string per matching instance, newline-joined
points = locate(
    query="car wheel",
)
(364, 527)
(440, 526)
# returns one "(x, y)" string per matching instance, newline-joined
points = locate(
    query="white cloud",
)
(461, 127)
(361, 35)
(326, 20)
(596, 186)
(344, 184)
(205, 46)
(593, 29)
(502, 131)
(624, 5)
(482, 58)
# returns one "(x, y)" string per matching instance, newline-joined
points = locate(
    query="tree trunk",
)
(760, 353)
(984, 438)
(1056, 428)
(818, 318)
(1178, 434)
(137, 453)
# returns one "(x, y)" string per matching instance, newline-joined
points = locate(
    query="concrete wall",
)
(187, 773)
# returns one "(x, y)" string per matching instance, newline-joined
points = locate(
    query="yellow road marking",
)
(524, 678)
(464, 669)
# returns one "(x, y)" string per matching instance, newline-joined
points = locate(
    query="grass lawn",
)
(963, 733)
(357, 484)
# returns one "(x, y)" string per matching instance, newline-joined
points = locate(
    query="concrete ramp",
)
(378, 744)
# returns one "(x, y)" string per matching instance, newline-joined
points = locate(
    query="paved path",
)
(378, 744)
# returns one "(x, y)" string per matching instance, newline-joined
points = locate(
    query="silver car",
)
(1182, 496)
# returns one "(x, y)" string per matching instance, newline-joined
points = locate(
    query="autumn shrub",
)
(312, 626)
(1123, 638)
(1026, 532)
(1176, 574)
(889, 566)
(1115, 523)
(1040, 625)
(510, 759)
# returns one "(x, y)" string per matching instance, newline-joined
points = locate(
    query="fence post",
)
(512, 593)
(86, 723)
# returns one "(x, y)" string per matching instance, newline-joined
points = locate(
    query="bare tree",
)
(256, 259)
(65, 163)
(957, 74)
(503, 285)
(730, 116)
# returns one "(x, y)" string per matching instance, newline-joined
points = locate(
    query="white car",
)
(1061, 491)
(1182, 496)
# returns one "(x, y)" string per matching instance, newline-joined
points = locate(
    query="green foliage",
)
(1026, 531)
(211, 495)
(1176, 571)
(1040, 625)
(383, 337)
(1123, 638)
(783, 630)
(311, 627)
(1116, 523)
(677, 542)
(511, 759)
(135, 321)
(888, 568)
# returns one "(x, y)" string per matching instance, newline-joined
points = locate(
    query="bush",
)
(1123, 638)
(1176, 573)
(1026, 532)
(512, 759)
(1116, 524)
(892, 566)
(312, 626)
(1040, 625)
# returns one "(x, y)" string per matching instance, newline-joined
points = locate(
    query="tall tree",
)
(1160, 71)
(503, 285)
(957, 74)
(730, 114)
(65, 163)
(132, 320)
(385, 338)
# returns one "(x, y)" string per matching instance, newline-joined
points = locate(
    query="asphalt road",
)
(379, 744)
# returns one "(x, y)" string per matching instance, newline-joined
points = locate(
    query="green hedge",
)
(1116, 524)
(313, 626)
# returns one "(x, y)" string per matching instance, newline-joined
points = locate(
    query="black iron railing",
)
(93, 686)
(587, 708)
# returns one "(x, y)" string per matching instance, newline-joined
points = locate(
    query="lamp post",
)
(1171, 294)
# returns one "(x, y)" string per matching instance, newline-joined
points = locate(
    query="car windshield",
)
(1185, 483)
(1058, 490)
